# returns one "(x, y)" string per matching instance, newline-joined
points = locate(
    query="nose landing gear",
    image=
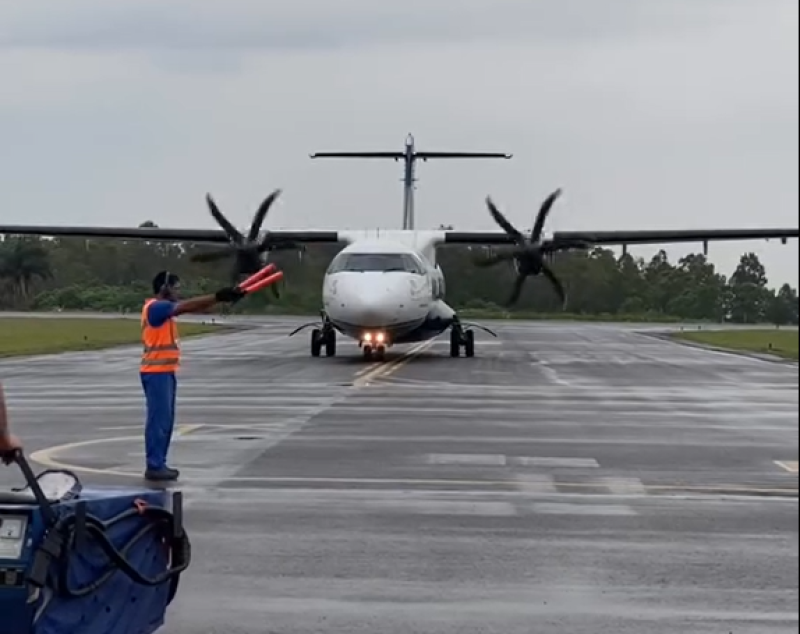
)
(373, 345)
(323, 335)
(375, 352)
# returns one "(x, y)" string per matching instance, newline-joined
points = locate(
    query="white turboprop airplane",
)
(385, 287)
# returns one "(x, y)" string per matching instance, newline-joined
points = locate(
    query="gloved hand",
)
(229, 294)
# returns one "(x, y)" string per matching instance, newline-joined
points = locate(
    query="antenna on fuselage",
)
(409, 157)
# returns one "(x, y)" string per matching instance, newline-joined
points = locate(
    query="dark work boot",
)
(162, 475)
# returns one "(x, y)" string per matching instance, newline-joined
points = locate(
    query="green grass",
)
(22, 336)
(783, 343)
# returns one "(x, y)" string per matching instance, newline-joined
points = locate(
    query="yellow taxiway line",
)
(46, 457)
(382, 370)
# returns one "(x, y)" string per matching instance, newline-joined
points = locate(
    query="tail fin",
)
(410, 156)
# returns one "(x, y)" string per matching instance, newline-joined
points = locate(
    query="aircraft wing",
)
(634, 237)
(214, 236)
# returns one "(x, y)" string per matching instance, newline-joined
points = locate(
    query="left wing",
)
(213, 236)
(623, 238)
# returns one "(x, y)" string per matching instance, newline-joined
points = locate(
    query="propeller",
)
(247, 251)
(531, 256)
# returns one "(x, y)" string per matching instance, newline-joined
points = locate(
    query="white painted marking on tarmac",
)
(792, 466)
(624, 486)
(566, 508)
(556, 463)
(536, 484)
(403, 501)
(481, 343)
(466, 459)
(446, 507)
(121, 427)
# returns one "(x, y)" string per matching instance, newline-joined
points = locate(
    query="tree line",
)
(113, 275)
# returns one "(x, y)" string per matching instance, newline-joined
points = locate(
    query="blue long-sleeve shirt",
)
(159, 312)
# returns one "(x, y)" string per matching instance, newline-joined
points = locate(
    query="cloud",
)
(318, 24)
(657, 114)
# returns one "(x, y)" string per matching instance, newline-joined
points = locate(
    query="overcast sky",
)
(649, 113)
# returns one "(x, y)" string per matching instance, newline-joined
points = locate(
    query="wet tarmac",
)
(569, 479)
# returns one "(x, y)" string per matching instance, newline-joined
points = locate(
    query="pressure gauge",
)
(11, 528)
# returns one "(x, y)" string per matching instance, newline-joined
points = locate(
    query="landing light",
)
(377, 337)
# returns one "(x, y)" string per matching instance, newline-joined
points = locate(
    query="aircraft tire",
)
(330, 344)
(469, 343)
(316, 342)
(455, 344)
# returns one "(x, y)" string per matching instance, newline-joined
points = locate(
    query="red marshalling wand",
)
(261, 279)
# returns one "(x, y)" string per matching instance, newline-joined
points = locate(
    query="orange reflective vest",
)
(161, 351)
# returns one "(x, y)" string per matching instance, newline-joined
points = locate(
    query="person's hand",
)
(229, 294)
(9, 446)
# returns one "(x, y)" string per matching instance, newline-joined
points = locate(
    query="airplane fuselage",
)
(386, 290)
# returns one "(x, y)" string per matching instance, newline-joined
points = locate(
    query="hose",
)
(71, 534)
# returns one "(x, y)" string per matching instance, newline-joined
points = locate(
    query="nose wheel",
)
(324, 337)
(376, 353)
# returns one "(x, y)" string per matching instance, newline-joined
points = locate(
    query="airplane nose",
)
(376, 309)
(372, 301)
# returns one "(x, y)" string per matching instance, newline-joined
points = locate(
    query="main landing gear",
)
(463, 336)
(323, 337)
(460, 338)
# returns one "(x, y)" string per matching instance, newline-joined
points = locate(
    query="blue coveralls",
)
(160, 389)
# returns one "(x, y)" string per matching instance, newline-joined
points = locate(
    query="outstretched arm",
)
(8, 444)
(160, 311)
(195, 305)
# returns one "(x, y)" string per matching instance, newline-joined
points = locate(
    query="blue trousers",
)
(159, 390)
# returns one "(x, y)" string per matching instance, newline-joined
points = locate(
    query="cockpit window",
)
(380, 262)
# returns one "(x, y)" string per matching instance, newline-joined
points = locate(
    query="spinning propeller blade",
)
(530, 254)
(246, 251)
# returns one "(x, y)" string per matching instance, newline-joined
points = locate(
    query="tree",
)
(782, 308)
(22, 261)
(749, 297)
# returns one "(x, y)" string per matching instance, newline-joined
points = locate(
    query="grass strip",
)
(23, 336)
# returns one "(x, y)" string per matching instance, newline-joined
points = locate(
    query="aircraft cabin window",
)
(375, 262)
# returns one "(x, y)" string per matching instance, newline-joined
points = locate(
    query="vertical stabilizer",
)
(410, 156)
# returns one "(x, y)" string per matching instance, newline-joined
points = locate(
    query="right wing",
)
(629, 237)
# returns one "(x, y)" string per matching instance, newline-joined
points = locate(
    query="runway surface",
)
(569, 479)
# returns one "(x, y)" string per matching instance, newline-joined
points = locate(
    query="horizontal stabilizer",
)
(387, 155)
(454, 155)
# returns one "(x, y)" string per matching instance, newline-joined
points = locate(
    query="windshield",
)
(381, 262)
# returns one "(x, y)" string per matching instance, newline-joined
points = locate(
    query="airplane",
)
(385, 287)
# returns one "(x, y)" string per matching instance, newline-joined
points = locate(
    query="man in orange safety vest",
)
(160, 362)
